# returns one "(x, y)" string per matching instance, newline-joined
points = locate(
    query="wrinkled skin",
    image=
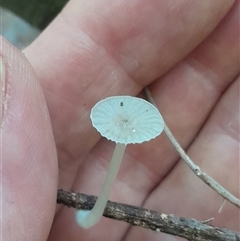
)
(185, 51)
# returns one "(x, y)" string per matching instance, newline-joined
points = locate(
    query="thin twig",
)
(189, 229)
(207, 220)
(199, 173)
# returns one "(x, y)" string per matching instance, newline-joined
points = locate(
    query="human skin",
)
(186, 52)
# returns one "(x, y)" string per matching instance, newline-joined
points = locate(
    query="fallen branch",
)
(189, 229)
(199, 173)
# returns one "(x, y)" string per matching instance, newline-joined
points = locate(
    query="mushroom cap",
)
(127, 119)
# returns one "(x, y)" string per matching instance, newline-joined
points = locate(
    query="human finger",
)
(28, 154)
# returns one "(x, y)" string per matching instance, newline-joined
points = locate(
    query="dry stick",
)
(189, 229)
(199, 173)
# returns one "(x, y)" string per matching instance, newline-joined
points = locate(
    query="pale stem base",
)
(87, 219)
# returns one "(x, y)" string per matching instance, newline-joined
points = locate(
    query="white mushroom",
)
(124, 120)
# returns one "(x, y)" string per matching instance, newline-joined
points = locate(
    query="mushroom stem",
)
(86, 219)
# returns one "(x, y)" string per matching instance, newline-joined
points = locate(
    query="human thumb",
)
(28, 165)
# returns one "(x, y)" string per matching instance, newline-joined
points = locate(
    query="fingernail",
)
(3, 90)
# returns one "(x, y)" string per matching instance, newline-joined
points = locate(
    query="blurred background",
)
(23, 20)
